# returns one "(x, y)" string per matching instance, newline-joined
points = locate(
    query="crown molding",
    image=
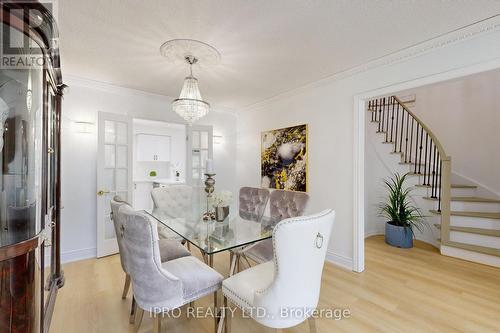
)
(80, 81)
(482, 27)
(75, 80)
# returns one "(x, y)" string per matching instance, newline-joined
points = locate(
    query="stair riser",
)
(484, 259)
(475, 239)
(463, 192)
(456, 192)
(475, 222)
(462, 206)
(475, 206)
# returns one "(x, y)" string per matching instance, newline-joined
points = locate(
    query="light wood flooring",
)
(408, 291)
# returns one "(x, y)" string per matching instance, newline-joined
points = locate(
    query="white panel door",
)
(114, 174)
(200, 148)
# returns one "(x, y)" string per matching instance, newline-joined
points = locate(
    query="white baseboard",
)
(374, 233)
(80, 254)
(481, 258)
(339, 260)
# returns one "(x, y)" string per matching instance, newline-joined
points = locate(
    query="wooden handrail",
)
(439, 146)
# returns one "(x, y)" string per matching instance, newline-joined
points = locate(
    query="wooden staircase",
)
(469, 224)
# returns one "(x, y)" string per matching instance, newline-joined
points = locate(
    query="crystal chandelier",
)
(190, 104)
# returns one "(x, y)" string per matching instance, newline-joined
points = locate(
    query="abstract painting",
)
(284, 158)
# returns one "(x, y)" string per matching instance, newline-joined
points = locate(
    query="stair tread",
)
(422, 174)
(463, 186)
(411, 163)
(480, 231)
(474, 248)
(452, 185)
(485, 215)
(469, 199)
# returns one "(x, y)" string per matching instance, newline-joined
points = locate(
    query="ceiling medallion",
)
(190, 105)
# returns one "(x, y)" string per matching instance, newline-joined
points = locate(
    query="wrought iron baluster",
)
(433, 189)
(407, 129)
(431, 143)
(387, 121)
(379, 114)
(383, 115)
(392, 121)
(411, 137)
(397, 124)
(426, 175)
(416, 147)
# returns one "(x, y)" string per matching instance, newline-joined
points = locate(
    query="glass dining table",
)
(211, 237)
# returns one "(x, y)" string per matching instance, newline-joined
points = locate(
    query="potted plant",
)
(221, 201)
(403, 217)
(152, 174)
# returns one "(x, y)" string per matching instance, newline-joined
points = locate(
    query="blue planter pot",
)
(398, 236)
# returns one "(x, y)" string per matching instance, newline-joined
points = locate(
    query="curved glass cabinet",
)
(21, 111)
(30, 108)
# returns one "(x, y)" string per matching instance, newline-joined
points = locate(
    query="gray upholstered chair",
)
(291, 281)
(283, 205)
(160, 287)
(176, 201)
(252, 204)
(169, 249)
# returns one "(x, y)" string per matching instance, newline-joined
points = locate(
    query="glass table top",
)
(212, 236)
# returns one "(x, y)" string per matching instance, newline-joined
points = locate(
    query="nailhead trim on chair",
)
(233, 297)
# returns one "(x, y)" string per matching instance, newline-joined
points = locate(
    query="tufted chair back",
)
(153, 285)
(253, 202)
(300, 246)
(116, 203)
(174, 200)
(285, 204)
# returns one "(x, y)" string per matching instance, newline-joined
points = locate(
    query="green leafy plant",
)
(152, 173)
(398, 208)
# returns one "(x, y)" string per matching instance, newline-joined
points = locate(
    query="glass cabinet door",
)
(21, 109)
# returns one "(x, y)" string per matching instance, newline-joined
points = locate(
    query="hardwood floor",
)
(408, 291)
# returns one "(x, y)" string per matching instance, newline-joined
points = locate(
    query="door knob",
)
(101, 192)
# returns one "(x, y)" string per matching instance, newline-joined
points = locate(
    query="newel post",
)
(445, 200)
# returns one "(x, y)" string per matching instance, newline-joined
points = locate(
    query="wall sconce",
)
(84, 126)
(217, 139)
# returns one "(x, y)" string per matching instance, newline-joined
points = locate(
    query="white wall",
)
(464, 114)
(327, 106)
(82, 103)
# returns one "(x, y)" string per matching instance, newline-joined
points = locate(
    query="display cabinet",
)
(30, 114)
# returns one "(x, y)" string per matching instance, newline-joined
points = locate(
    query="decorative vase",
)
(398, 236)
(221, 213)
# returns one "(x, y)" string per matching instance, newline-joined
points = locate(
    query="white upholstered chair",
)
(169, 249)
(283, 204)
(160, 287)
(292, 280)
(175, 201)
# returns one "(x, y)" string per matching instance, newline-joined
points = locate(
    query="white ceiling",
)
(267, 46)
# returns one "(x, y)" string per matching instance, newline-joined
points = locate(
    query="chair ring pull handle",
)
(319, 240)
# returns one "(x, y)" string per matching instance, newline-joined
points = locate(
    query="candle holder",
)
(209, 189)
